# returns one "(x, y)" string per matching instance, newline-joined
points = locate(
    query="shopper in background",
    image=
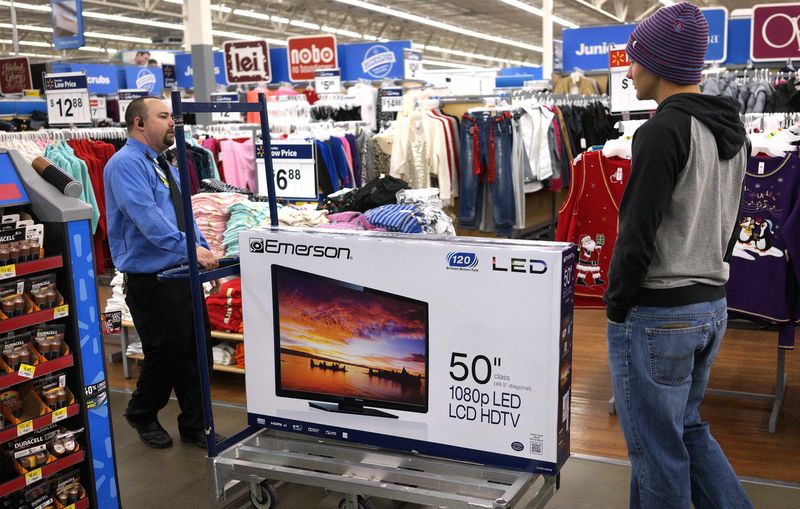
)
(141, 58)
(146, 235)
(666, 303)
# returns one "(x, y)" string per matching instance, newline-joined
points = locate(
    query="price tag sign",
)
(98, 106)
(412, 62)
(392, 99)
(67, 98)
(8, 271)
(622, 94)
(112, 322)
(60, 414)
(61, 311)
(126, 95)
(26, 370)
(24, 428)
(295, 171)
(33, 476)
(328, 81)
(225, 116)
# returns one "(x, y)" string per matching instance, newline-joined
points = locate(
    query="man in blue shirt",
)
(146, 235)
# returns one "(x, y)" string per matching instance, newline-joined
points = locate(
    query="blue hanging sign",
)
(717, 19)
(738, 46)
(102, 79)
(372, 60)
(183, 69)
(66, 18)
(150, 79)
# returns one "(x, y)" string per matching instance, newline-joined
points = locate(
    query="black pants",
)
(162, 314)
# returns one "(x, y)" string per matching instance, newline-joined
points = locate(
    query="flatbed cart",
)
(248, 460)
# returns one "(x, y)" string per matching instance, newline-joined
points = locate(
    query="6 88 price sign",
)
(67, 97)
(294, 168)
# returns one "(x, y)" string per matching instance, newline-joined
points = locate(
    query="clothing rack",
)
(75, 133)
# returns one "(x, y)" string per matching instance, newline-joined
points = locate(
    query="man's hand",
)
(206, 258)
(215, 286)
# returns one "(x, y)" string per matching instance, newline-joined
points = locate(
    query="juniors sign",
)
(310, 54)
(775, 32)
(15, 75)
(354, 352)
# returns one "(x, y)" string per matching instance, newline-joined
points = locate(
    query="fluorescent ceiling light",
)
(346, 33)
(471, 55)
(133, 21)
(453, 65)
(29, 28)
(28, 43)
(538, 12)
(303, 24)
(247, 37)
(36, 55)
(601, 11)
(112, 37)
(667, 2)
(438, 24)
(29, 7)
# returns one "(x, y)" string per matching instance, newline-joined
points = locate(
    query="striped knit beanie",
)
(672, 43)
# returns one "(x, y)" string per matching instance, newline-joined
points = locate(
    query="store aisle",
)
(175, 477)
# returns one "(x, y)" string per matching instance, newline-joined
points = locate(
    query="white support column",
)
(14, 34)
(547, 39)
(199, 40)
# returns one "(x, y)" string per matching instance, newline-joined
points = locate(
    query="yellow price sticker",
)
(71, 506)
(24, 428)
(61, 311)
(33, 476)
(60, 414)
(26, 371)
(7, 271)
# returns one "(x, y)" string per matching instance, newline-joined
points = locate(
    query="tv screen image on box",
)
(349, 345)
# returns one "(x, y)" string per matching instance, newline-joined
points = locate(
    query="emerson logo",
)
(276, 247)
(462, 261)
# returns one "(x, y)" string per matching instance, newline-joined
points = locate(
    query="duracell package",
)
(30, 451)
(49, 341)
(52, 390)
(64, 443)
(16, 351)
(13, 302)
(21, 403)
(68, 489)
(36, 496)
(42, 291)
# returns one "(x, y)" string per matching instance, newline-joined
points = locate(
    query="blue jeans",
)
(493, 134)
(660, 361)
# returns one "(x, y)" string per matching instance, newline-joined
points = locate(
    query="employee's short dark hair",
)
(137, 108)
(142, 52)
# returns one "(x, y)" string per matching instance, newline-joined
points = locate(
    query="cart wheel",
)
(262, 495)
(362, 503)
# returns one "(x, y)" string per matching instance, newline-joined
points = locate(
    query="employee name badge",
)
(392, 99)
(225, 116)
(126, 96)
(67, 97)
(328, 81)
(294, 170)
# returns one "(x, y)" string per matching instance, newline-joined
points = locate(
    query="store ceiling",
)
(488, 33)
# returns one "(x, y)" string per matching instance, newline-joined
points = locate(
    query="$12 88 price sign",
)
(67, 99)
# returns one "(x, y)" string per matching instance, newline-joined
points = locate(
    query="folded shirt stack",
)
(212, 216)
(225, 307)
(224, 353)
(302, 215)
(244, 216)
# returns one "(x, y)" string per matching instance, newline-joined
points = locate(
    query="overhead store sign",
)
(775, 32)
(310, 54)
(372, 61)
(15, 75)
(247, 61)
(66, 18)
(184, 71)
(102, 79)
(168, 70)
(150, 79)
(587, 48)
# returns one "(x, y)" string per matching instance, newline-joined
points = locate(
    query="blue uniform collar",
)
(145, 149)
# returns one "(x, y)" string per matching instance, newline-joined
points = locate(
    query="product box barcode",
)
(536, 447)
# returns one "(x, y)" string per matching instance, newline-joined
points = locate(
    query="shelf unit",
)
(124, 339)
(48, 470)
(12, 432)
(35, 318)
(31, 267)
(45, 368)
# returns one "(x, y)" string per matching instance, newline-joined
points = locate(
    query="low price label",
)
(67, 98)
(225, 116)
(328, 81)
(8, 271)
(24, 428)
(61, 311)
(126, 96)
(623, 94)
(26, 371)
(60, 414)
(392, 99)
(33, 476)
(295, 170)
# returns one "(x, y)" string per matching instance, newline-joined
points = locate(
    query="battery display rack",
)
(54, 418)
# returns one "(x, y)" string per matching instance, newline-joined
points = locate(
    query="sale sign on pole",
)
(622, 93)
(310, 54)
(247, 61)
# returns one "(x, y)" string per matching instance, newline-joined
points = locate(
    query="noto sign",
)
(310, 54)
(775, 32)
(247, 61)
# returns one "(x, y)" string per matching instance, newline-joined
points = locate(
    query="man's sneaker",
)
(152, 434)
